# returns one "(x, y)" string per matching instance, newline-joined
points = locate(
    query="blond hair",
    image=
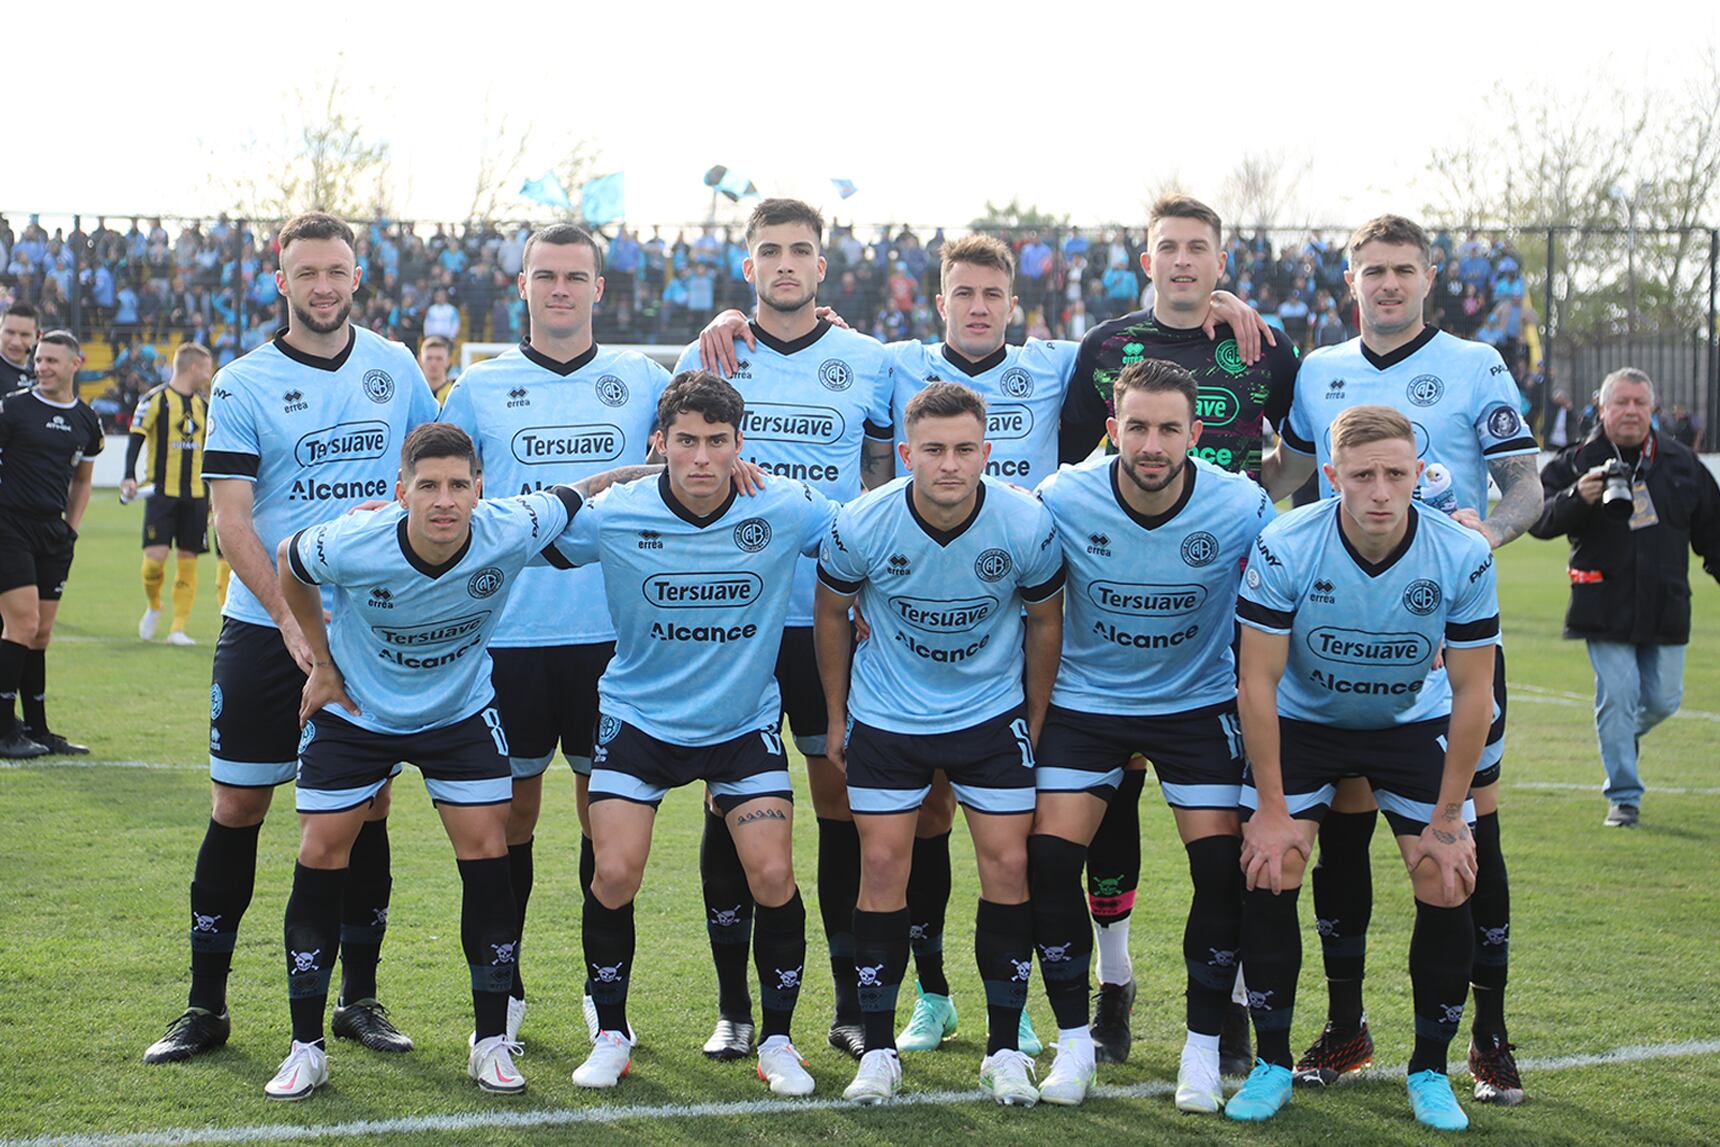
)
(1361, 425)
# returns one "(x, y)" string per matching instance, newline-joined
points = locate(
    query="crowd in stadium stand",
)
(140, 286)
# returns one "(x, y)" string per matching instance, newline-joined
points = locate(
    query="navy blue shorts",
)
(253, 707)
(547, 697)
(342, 766)
(990, 766)
(630, 764)
(1197, 755)
(802, 691)
(1403, 764)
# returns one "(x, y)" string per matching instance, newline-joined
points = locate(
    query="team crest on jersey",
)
(215, 702)
(993, 565)
(485, 582)
(1425, 389)
(1016, 383)
(293, 401)
(306, 737)
(1422, 597)
(611, 391)
(835, 374)
(607, 728)
(1253, 579)
(378, 385)
(1200, 549)
(1229, 358)
(752, 535)
(1503, 422)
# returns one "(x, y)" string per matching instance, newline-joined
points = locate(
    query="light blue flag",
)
(546, 189)
(603, 200)
(844, 187)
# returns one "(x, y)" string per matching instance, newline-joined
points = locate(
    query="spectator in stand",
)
(442, 319)
(1032, 265)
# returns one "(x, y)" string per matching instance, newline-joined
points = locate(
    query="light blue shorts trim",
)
(252, 774)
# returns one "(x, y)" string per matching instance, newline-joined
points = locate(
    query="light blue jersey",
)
(811, 403)
(314, 436)
(1459, 396)
(538, 422)
(1363, 637)
(1151, 601)
(699, 603)
(944, 606)
(412, 638)
(1023, 389)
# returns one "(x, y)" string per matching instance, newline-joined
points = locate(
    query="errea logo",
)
(517, 397)
(898, 564)
(381, 598)
(1323, 592)
(1099, 544)
(293, 401)
(650, 540)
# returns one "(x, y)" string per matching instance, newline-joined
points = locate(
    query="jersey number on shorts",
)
(493, 720)
(1018, 727)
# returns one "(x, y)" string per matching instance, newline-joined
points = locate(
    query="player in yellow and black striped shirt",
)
(435, 355)
(172, 420)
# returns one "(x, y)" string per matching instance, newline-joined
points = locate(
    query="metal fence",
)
(1579, 303)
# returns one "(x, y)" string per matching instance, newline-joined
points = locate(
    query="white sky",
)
(932, 109)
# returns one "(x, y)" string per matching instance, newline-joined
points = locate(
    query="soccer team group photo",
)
(875, 599)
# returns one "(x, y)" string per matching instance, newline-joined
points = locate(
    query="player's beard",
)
(786, 307)
(303, 318)
(1171, 473)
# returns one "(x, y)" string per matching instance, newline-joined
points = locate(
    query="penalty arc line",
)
(562, 1117)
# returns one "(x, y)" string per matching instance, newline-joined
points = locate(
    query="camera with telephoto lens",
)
(1616, 497)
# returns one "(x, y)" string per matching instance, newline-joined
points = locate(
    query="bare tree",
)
(1264, 190)
(325, 160)
(503, 147)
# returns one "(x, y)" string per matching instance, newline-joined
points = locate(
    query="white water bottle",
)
(1436, 492)
(143, 491)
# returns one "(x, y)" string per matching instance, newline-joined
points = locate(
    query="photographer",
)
(1632, 500)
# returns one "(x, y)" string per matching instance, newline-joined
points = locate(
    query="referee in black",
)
(47, 438)
(17, 344)
(172, 420)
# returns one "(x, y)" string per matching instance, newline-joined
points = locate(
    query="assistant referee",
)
(172, 420)
(47, 438)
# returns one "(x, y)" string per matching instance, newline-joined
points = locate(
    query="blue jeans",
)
(1636, 688)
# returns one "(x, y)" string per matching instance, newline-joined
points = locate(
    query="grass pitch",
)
(1614, 936)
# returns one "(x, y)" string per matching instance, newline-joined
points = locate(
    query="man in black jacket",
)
(1630, 583)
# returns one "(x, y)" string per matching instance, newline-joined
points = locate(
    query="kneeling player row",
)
(959, 579)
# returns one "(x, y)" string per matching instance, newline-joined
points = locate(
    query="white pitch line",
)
(569, 1116)
(1569, 700)
(1594, 787)
(83, 763)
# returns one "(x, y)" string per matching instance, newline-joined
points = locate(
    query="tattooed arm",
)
(597, 483)
(877, 462)
(1519, 500)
